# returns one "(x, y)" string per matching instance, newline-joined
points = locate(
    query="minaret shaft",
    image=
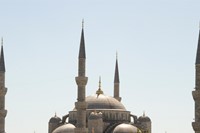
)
(81, 69)
(197, 75)
(116, 90)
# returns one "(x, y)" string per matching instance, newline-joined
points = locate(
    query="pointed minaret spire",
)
(198, 51)
(2, 63)
(82, 43)
(116, 81)
(116, 78)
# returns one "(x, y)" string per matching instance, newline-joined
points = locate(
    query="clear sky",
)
(156, 42)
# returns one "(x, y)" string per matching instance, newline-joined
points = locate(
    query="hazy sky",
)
(156, 42)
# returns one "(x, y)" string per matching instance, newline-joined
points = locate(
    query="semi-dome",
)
(67, 128)
(101, 102)
(126, 128)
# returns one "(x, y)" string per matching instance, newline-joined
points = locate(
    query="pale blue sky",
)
(156, 41)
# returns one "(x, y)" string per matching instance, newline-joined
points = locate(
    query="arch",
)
(134, 118)
(64, 118)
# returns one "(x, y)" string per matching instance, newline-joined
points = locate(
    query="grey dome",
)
(102, 101)
(55, 119)
(67, 128)
(144, 119)
(126, 128)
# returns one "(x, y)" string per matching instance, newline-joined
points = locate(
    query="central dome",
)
(101, 102)
(67, 128)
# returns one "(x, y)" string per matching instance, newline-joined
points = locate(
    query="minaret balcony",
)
(81, 81)
(196, 95)
(196, 126)
(3, 91)
(3, 113)
(80, 105)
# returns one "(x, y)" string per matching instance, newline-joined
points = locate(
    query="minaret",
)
(81, 81)
(196, 92)
(116, 81)
(3, 91)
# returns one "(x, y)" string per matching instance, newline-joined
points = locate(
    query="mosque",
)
(98, 113)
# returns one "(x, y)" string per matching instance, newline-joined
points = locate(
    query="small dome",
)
(102, 101)
(126, 128)
(55, 119)
(67, 128)
(144, 118)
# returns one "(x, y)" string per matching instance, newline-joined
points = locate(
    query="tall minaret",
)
(116, 81)
(3, 91)
(196, 92)
(81, 81)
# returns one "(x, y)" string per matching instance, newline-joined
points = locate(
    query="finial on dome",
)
(99, 91)
(99, 82)
(55, 114)
(143, 114)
